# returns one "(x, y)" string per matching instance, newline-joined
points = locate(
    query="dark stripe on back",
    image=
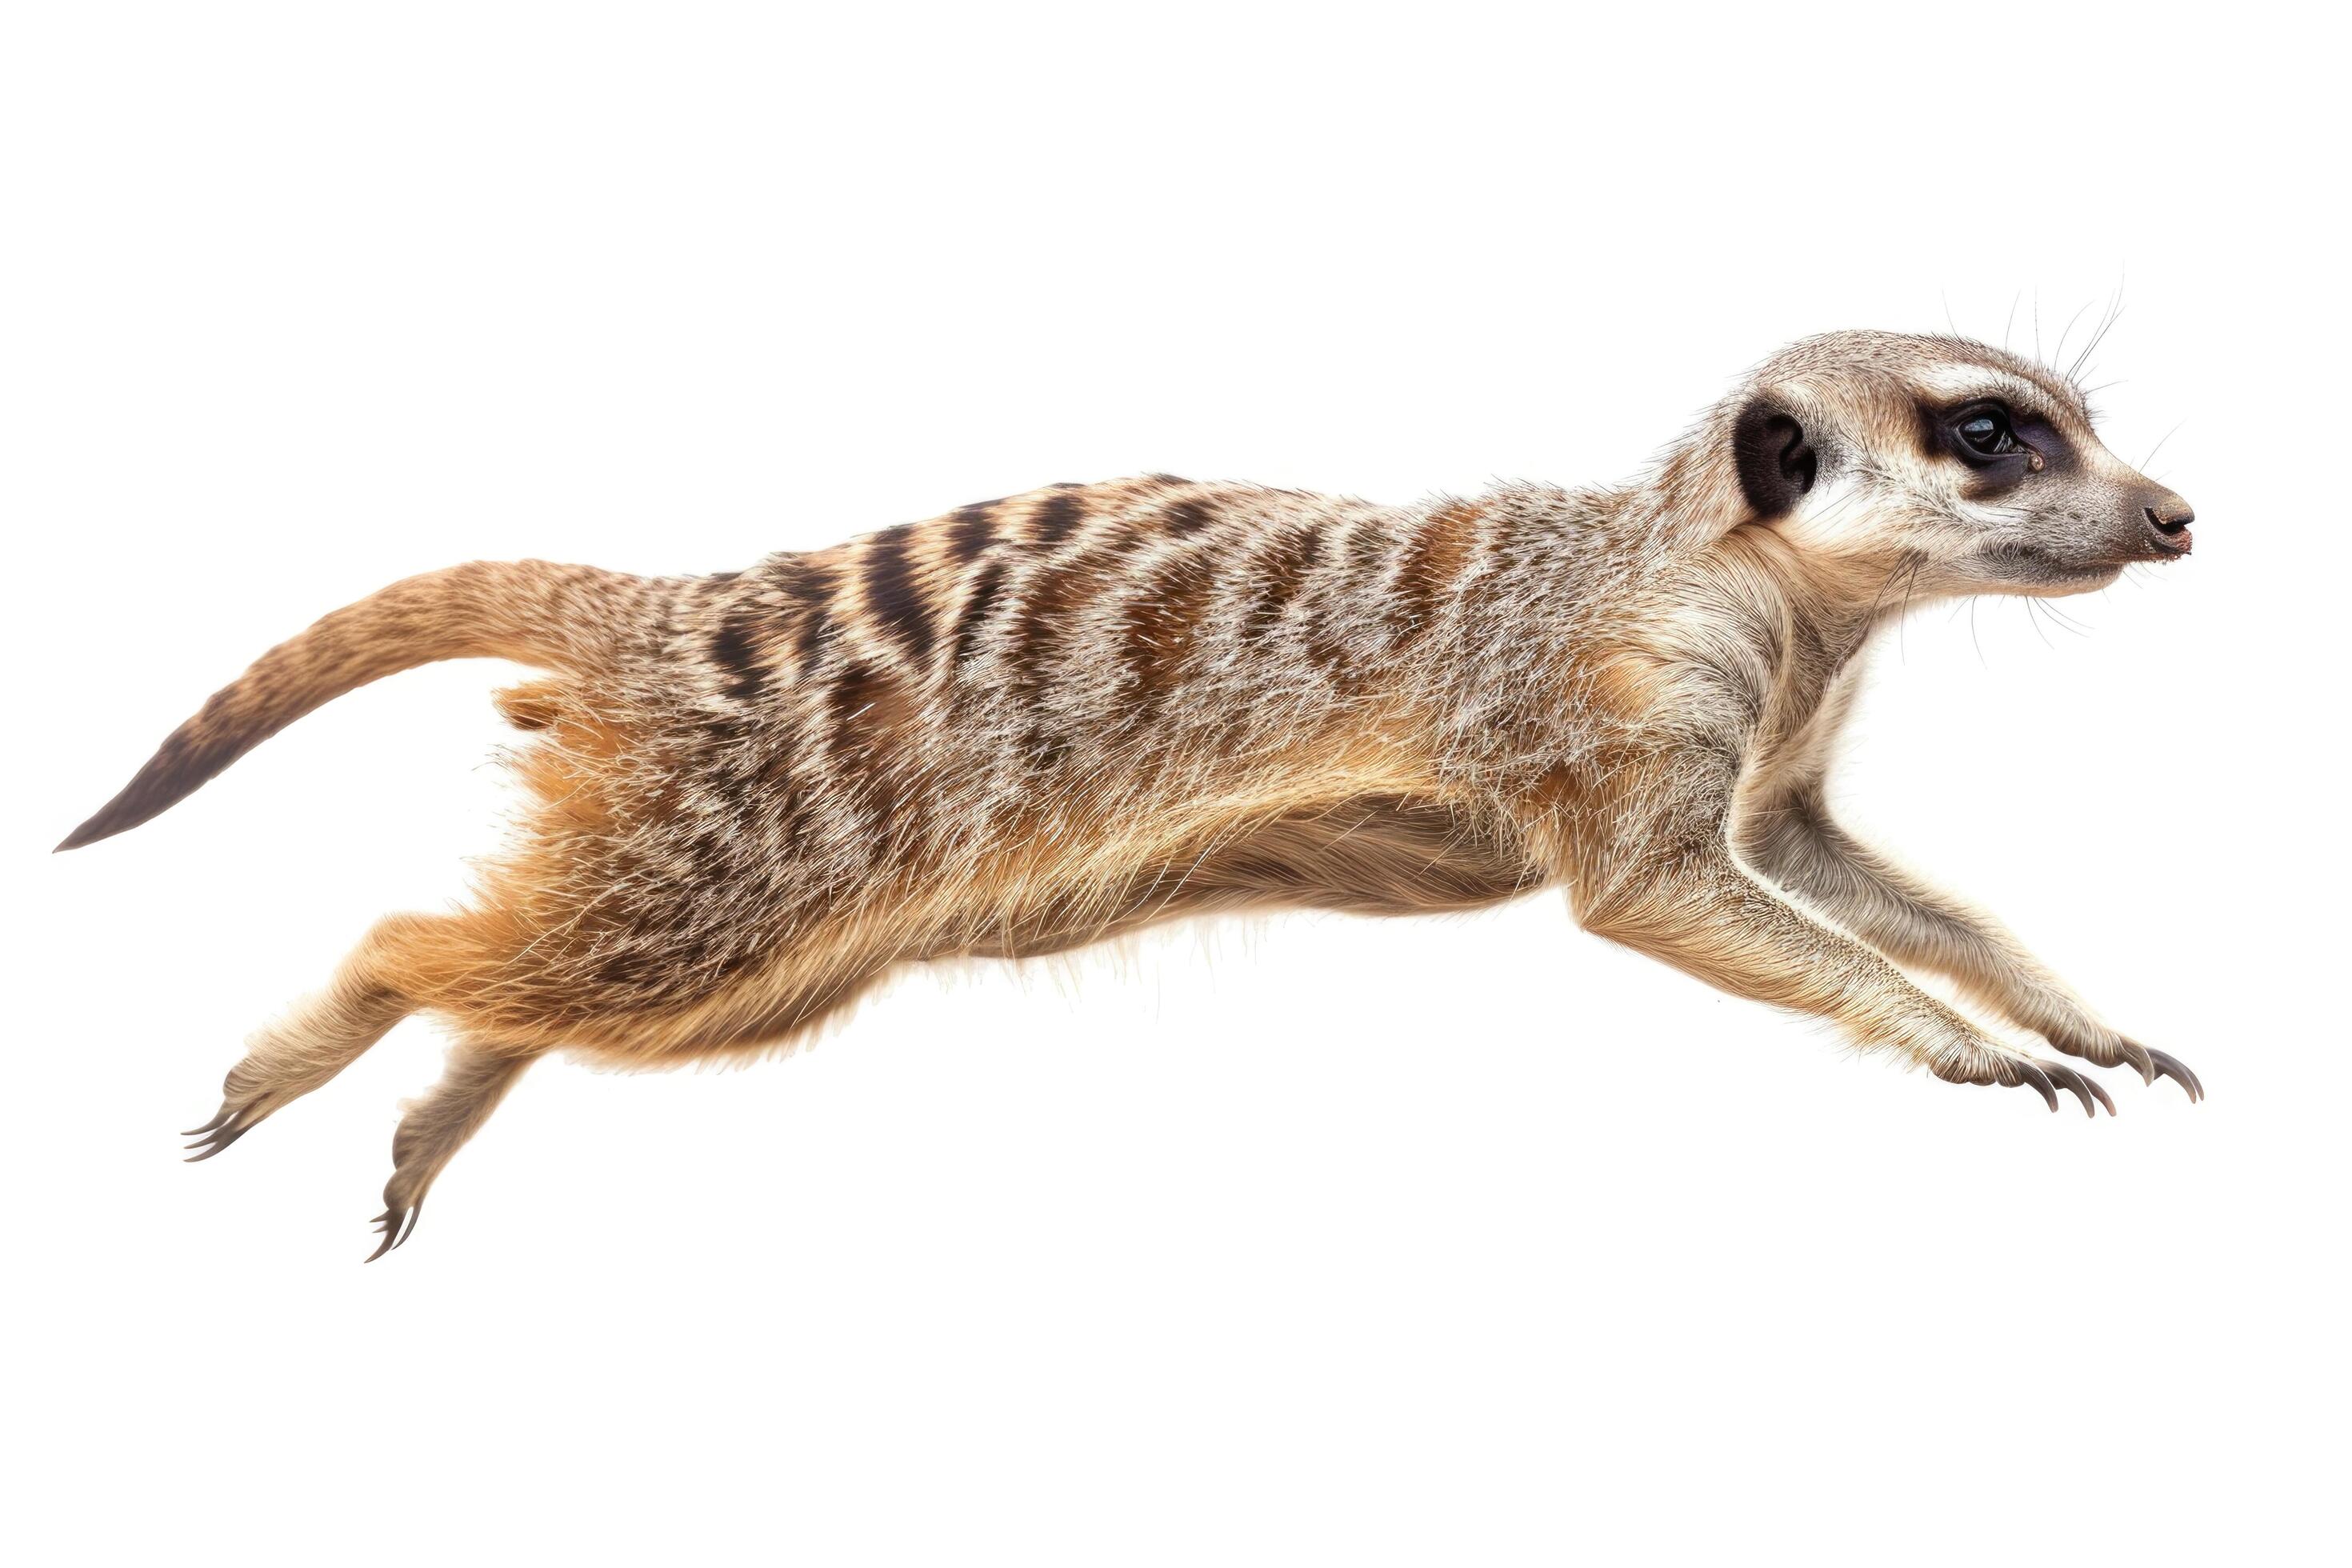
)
(972, 619)
(735, 648)
(971, 529)
(1048, 599)
(1188, 516)
(1432, 564)
(1284, 574)
(1060, 512)
(1332, 623)
(809, 587)
(1164, 623)
(892, 593)
(863, 696)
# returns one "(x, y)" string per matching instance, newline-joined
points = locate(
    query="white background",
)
(1317, 1241)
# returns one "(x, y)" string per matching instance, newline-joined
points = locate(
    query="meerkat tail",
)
(569, 618)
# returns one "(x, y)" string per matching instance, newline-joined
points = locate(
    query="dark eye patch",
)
(2001, 446)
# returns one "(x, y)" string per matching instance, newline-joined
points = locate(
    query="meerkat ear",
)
(1776, 458)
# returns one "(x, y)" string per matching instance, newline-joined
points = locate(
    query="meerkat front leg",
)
(1673, 889)
(1797, 846)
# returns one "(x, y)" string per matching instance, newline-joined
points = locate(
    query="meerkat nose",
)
(2169, 516)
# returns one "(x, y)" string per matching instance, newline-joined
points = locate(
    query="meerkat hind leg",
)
(318, 1039)
(435, 1126)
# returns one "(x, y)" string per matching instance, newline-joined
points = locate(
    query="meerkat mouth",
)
(2035, 564)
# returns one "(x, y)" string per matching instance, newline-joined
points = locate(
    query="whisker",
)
(2106, 324)
(2058, 351)
(1902, 617)
(2065, 620)
(2034, 620)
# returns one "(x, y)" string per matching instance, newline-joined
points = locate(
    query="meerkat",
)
(1038, 722)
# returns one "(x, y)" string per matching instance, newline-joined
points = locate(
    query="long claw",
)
(2093, 1084)
(2170, 1066)
(2081, 1087)
(2033, 1077)
(225, 1112)
(395, 1225)
(388, 1226)
(217, 1139)
(2137, 1054)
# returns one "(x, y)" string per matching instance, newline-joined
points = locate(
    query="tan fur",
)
(1035, 723)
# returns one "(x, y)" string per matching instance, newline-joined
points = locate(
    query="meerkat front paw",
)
(1989, 1064)
(2055, 1076)
(2095, 1043)
(2078, 1035)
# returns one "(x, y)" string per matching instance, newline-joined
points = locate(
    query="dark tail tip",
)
(111, 820)
(171, 775)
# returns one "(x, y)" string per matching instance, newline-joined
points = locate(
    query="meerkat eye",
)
(1986, 431)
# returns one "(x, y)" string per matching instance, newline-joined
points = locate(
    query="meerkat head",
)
(1974, 471)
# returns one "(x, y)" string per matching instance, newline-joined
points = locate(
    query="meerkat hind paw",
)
(228, 1109)
(395, 1225)
(2045, 1078)
(233, 1123)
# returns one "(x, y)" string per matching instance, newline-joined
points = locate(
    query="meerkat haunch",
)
(1034, 723)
